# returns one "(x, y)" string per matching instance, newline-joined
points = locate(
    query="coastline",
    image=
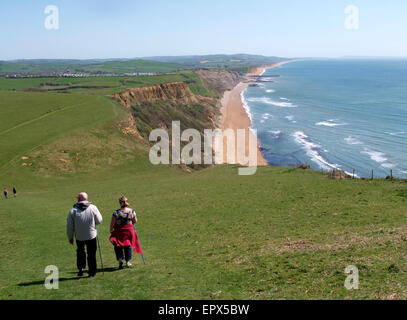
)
(234, 114)
(258, 71)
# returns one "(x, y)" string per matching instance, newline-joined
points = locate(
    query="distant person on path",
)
(123, 234)
(81, 223)
(15, 191)
(6, 193)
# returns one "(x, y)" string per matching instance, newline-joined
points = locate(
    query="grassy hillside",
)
(104, 85)
(235, 62)
(212, 235)
(283, 233)
(134, 66)
(29, 120)
(87, 66)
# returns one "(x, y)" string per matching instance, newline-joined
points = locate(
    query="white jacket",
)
(82, 221)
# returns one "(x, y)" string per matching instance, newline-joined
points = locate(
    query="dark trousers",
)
(91, 248)
(119, 253)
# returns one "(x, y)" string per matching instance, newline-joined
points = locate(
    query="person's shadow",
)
(41, 282)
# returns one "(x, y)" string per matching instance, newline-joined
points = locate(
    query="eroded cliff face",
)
(178, 92)
(158, 105)
(220, 80)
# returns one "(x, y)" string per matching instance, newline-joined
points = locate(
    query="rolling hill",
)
(87, 66)
(284, 233)
(239, 62)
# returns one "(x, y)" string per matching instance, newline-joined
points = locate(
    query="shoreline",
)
(258, 71)
(234, 114)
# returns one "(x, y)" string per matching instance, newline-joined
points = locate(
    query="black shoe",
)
(121, 266)
(92, 275)
(80, 273)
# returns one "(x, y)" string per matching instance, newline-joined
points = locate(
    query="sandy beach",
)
(257, 71)
(234, 115)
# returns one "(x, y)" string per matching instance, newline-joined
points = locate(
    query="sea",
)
(349, 114)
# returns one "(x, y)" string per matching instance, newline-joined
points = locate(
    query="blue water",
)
(348, 114)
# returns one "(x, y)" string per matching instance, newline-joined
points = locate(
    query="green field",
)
(103, 85)
(237, 62)
(88, 66)
(284, 233)
(234, 62)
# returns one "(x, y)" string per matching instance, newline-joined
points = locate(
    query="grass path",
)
(39, 118)
(25, 137)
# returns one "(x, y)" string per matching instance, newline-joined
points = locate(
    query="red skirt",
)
(125, 236)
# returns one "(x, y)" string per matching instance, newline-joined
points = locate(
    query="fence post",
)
(391, 174)
(353, 174)
(372, 174)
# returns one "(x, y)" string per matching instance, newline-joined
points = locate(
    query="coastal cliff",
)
(158, 105)
(220, 80)
(178, 92)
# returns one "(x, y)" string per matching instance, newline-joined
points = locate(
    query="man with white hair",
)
(81, 223)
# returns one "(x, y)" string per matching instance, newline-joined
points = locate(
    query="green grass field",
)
(103, 85)
(284, 233)
(238, 62)
(88, 66)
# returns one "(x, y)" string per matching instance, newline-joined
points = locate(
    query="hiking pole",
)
(100, 253)
(142, 255)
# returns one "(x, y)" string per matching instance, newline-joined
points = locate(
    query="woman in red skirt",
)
(123, 234)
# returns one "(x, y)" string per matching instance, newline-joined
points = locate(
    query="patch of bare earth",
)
(128, 127)
(376, 238)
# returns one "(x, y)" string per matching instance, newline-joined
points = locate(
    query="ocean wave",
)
(291, 119)
(352, 141)
(246, 106)
(379, 157)
(272, 102)
(389, 165)
(396, 133)
(312, 151)
(276, 133)
(376, 156)
(330, 123)
(285, 99)
(270, 90)
(268, 79)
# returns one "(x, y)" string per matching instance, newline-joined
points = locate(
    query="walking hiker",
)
(81, 223)
(6, 193)
(15, 191)
(123, 235)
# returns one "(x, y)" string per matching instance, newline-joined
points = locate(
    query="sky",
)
(140, 28)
